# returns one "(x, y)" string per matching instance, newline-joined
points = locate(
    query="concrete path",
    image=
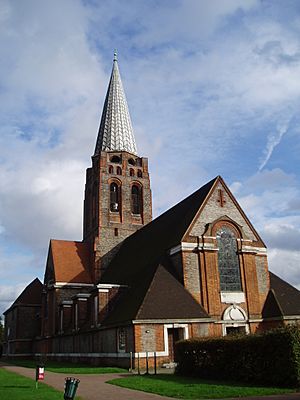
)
(93, 387)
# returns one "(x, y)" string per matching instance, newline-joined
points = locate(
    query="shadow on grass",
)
(193, 388)
(15, 387)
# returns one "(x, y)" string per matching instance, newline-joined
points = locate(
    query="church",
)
(134, 286)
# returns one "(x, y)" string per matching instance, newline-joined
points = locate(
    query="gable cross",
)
(221, 199)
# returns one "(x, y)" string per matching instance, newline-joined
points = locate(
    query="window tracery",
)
(228, 260)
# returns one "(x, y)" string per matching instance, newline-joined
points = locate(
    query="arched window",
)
(228, 260)
(139, 173)
(114, 197)
(131, 172)
(115, 159)
(131, 161)
(136, 199)
(110, 169)
(119, 171)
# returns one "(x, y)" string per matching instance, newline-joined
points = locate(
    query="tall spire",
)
(115, 132)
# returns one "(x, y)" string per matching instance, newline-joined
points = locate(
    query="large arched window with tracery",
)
(114, 197)
(228, 260)
(136, 199)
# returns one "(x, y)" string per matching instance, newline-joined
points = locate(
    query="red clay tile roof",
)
(31, 295)
(71, 261)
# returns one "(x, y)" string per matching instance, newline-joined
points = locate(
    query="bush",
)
(269, 358)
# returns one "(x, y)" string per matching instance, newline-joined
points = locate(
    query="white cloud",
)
(285, 264)
(8, 295)
(274, 140)
(212, 86)
(50, 111)
(265, 197)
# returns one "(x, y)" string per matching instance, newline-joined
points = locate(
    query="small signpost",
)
(39, 374)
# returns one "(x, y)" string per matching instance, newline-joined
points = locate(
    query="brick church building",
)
(134, 286)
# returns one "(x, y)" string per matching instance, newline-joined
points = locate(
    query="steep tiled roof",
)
(167, 298)
(115, 132)
(31, 295)
(141, 264)
(70, 261)
(284, 300)
(156, 295)
(145, 248)
(271, 307)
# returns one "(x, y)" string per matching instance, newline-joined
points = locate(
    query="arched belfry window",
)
(119, 171)
(115, 159)
(136, 199)
(114, 197)
(228, 260)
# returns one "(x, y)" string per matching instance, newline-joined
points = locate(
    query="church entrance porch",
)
(174, 335)
(235, 321)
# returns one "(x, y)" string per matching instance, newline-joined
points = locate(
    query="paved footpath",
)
(93, 387)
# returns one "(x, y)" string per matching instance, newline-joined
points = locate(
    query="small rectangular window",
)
(121, 340)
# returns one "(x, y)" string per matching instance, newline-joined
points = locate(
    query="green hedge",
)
(271, 358)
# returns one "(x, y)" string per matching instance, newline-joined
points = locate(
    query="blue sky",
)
(213, 89)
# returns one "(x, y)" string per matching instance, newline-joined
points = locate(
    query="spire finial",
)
(115, 55)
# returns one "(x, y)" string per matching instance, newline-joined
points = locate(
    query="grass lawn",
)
(69, 368)
(190, 388)
(17, 387)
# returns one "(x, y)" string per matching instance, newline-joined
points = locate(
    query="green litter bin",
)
(71, 385)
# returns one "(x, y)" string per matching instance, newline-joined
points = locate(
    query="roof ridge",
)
(29, 291)
(66, 240)
(285, 282)
(173, 208)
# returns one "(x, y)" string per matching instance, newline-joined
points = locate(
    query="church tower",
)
(117, 191)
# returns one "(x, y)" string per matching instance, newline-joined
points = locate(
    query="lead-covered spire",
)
(115, 132)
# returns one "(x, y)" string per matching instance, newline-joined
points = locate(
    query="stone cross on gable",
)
(221, 199)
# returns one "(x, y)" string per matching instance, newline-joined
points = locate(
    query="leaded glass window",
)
(229, 269)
